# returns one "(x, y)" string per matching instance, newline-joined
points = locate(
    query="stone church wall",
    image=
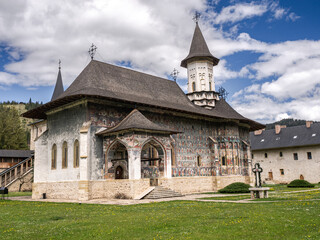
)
(192, 143)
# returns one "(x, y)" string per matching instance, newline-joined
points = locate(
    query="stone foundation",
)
(85, 190)
(109, 188)
(187, 185)
(26, 182)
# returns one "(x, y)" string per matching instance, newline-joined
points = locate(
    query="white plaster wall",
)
(40, 159)
(194, 70)
(309, 168)
(62, 174)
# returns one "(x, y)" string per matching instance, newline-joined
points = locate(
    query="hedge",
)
(237, 187)
(300, 184)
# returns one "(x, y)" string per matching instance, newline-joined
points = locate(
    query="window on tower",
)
(193, 86)
(210, 89)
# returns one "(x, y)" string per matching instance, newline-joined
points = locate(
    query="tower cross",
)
(196, 17)
(92, 51)
(174, 74)
(59, 64)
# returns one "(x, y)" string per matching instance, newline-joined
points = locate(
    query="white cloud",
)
(240, 11)
(154, 36)
(150, 35)
(292, 17)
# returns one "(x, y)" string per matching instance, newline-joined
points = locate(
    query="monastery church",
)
(119, 131)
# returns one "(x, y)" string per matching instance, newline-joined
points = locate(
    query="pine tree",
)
(12, 135)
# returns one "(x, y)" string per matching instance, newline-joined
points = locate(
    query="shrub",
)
(121, 196)
(237, 187)
(300, 184)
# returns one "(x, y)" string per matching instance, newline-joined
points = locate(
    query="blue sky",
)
(269, 50)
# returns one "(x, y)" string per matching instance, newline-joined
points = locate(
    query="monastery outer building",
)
(116, 130)
(288, 153)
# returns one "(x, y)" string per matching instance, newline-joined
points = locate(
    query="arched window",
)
(193, 87)
(76, 154)
(198, 160)
(64, 155)
(223, 162)
(173, 155)
(54, 157)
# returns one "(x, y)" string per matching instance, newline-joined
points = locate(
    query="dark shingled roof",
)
(288, 137)
(58, 90)
(108, 81)
(16, 153)
(136, 121)
(199, 48)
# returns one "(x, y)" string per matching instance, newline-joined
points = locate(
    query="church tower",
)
(58, 90)
(199, 64)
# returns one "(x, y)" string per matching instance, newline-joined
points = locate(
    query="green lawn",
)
(165, 220)
(18, 194)
(231, 198)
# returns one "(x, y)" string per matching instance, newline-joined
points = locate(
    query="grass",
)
(18, 194)
(231, 198)
(164, 220)
(293, 196)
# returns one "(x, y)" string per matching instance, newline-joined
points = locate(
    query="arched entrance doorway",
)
(152, 160)
(117, 161)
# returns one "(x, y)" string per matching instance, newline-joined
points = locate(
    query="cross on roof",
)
(196, 16)
(59, 64)
(174, 74)
(92, 51)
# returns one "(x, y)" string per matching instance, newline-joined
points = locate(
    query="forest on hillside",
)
(289, 122)
(14, 130)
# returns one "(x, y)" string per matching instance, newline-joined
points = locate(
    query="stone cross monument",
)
(257, 170)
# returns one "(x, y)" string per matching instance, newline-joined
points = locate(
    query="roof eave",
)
(112, 132)
(191, 58)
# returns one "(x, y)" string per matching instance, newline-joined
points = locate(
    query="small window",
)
(173, 156)
(64, 155)
(295, 156)
(252, 155)
(265, 155)
(210, 86)
(309, 155)
(76, 154)
(193, 87)
(223, 161)
(280, 154)
(199, 161)
(54, 157)
(281, 172)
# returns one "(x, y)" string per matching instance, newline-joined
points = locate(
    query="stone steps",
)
(161, 192)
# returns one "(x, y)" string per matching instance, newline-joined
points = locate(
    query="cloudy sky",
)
(269, 50)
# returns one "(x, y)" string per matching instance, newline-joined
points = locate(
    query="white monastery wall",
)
(292, 169)
(63, 126)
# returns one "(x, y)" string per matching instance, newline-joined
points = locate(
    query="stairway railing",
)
(11, 174)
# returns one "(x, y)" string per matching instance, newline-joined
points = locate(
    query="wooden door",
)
(119, 172)
(270, 175)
